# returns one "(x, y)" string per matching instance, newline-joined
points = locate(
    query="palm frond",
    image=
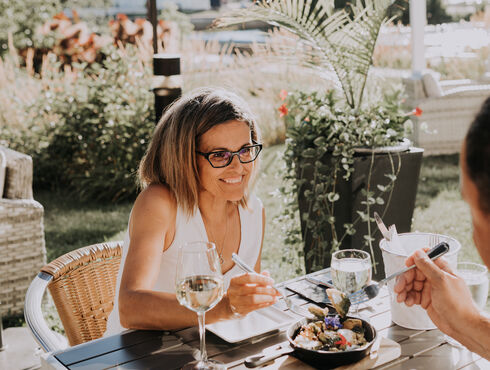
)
(341, 40)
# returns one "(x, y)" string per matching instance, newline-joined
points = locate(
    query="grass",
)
(70, 224)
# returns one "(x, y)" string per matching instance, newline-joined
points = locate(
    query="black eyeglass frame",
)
(206, 155)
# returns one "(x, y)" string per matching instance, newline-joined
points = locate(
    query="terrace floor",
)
(21, 350)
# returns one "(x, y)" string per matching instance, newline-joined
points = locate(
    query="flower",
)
(417, 112)
(333, 322)
(283, 110)
(283, 94)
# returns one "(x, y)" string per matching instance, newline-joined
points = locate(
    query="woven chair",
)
(448, 114)
(82, 284)
(22, 246)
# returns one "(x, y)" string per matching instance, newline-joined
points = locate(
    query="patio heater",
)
(167, 82)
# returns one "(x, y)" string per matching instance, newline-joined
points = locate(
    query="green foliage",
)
(323, 136)
(88, 131)
(338, 40)
(21, 18)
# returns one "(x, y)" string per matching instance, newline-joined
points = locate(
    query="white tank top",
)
(189, 229)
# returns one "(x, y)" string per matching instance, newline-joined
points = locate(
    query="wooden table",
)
(420, 349)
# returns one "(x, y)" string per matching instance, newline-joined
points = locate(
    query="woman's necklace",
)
(220, 251)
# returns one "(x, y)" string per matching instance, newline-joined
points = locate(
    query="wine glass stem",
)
(202, 336)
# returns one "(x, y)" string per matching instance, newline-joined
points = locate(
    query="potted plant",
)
(346, 156)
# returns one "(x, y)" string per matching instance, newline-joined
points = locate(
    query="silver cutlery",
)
(382, 227)
(433, 240)
(319, 282)
(372, 290)
(291, 306)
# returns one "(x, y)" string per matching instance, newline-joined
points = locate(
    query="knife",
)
(319, 282)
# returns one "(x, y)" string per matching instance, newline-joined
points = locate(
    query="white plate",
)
(254, 324)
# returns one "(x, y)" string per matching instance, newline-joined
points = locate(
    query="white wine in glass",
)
(199, 287)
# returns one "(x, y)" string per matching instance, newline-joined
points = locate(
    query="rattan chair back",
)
(83, 289)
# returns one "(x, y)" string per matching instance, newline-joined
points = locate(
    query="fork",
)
(291, 306)
(433, 240)
(372, 290)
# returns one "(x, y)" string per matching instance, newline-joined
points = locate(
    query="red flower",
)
(283, 110)
(415, 112)
(283, 94)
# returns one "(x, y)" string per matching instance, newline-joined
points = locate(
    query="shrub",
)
(89, 129)
(21, 18)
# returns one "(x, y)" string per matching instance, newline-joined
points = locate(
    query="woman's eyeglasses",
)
(223, 158)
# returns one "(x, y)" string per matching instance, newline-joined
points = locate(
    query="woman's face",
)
(230, 182)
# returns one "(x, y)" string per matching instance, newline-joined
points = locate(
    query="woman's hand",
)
(437, 289)
(249, 292)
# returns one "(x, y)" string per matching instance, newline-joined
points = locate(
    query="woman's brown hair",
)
(171, 156)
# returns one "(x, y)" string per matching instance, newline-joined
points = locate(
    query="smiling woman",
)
(196, 177)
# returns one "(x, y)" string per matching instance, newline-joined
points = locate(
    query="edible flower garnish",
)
(333, 322)
(342, 341)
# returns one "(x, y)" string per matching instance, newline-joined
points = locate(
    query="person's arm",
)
(152, 229)
(447, 300)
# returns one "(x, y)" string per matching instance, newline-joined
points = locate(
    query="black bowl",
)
(326, 359)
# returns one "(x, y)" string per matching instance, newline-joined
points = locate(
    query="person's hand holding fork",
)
(251, 291)
(442, 293)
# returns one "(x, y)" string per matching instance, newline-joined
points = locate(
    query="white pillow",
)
(431, 86)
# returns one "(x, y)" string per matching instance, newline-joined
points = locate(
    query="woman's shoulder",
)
(157, 193)
(155, 202)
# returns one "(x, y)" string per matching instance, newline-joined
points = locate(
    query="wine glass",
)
(476, 278)
(350, 270)
(199, 287)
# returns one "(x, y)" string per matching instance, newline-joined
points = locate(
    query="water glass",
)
(476, 278)
(350, 269)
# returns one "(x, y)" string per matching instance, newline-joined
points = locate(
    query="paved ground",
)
(21, 350)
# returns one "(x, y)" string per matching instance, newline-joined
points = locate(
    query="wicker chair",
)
(448, 113)
(82, 284)
(22, 246)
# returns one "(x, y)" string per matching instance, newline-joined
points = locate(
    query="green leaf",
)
(309, 153)
(391, 176)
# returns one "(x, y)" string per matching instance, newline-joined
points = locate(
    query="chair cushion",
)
(18, 175)
(431, 86)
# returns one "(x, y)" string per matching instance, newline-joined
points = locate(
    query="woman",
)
(195, 178)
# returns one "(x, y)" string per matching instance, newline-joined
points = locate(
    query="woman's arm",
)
(152, 229)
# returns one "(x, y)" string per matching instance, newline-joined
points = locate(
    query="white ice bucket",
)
(413, 317)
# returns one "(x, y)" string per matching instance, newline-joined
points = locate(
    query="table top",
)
(140, 349)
